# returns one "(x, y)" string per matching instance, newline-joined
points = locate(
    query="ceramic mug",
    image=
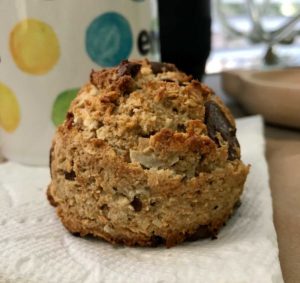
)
(47, 50)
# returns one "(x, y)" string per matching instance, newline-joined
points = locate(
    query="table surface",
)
(283, 156)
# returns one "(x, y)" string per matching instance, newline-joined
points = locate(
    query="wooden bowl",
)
(274, 94)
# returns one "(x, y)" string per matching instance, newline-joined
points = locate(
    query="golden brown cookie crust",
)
(146, 155)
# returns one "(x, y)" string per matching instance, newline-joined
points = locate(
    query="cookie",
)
(146, 155)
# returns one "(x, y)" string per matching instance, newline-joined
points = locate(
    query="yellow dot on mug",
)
(34, 46)
(9, 109)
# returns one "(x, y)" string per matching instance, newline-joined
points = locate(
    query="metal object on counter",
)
(285, 34)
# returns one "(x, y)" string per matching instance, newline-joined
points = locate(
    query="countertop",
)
(283, 155)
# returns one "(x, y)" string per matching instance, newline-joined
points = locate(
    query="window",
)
(232, 51)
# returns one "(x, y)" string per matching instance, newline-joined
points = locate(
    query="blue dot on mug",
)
(109, 39)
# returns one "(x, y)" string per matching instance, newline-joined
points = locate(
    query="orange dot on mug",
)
(34, 46)
(9, 109)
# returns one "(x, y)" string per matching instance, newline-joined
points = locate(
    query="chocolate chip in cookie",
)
(70, 175)
(69, 120)
(137, 204)
(127, 68)
(202, 232)
(157, 240)
(217, 122)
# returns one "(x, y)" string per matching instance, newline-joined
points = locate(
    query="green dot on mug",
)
(62, 104)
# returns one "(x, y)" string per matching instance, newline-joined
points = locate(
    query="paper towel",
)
(36, 248)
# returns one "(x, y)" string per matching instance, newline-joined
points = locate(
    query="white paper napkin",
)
(34, 246)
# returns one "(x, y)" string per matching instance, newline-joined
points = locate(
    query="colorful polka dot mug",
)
(47, 50)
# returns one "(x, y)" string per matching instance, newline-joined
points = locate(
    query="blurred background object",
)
(185, 33)
(254, 34)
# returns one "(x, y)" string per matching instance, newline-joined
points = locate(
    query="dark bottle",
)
(185, 34)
